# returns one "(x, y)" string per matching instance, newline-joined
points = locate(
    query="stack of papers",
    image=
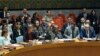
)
(89, 39)
(16, 45)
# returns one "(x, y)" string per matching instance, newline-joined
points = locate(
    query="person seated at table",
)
(57, 32)
(49, 33)
(6, 27)
(17, 31)
(4, 39)
(67, 24)
(71, 32)
(87, 32)
(31, 34)
(44, 26)
(38, 30)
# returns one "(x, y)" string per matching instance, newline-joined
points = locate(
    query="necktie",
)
(4, 14)
(72, 33)
(88, 34)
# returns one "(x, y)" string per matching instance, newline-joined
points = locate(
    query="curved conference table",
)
(60, 49)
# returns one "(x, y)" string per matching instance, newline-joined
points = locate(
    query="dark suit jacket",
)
(91, 33)
(16, 34)
(68, 32)
(2, 14)
(78, 20)
(63, 28)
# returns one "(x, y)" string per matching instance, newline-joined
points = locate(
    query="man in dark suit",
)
(25, 13)
(24, 16)
(82, 23)
(57, 32)
(3, 14)
(49, 33)
(84, 14)
(88, 32)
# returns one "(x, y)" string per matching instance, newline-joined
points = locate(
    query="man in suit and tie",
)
(71, 32)
(57, 32)
(24, 16)
(82, 23)
(25, 13)
(83, 14)
(88, 32)
(3, 14)
(67, 24)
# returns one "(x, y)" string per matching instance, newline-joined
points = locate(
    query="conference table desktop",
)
(55, 48)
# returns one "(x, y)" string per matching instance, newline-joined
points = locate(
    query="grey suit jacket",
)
(68, 32)
(59, 35)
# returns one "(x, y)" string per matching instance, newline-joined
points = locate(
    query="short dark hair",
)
(47, 11)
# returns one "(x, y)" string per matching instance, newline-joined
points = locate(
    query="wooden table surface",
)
(60, 49)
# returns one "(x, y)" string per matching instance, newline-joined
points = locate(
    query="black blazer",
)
(2, 14)
(16, 34)
(78, 20)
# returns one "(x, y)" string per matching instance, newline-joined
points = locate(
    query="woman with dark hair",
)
(35, 17)
(17, 31)
(93, 17)
(5, 39)
(93, 20)
(6, 26)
